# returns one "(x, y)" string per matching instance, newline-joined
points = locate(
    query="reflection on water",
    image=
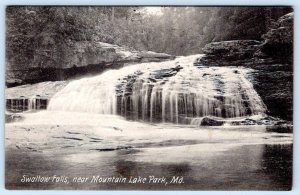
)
(86, 145)
(253, 167)
(278, 167)
(279, 129)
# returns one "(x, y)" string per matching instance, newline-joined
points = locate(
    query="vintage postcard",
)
(149, 98)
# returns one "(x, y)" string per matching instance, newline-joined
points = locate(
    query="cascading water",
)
(170, 91)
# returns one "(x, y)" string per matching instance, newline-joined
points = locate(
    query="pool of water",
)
(69, 146)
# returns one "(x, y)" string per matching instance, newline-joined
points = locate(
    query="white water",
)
(193, 92)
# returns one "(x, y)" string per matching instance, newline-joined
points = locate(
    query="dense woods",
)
(173, 30)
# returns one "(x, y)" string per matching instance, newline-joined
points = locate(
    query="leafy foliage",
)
(176, 30)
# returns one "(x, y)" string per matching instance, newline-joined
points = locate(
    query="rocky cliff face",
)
(278, 42)
(271, 59)
(60, 61)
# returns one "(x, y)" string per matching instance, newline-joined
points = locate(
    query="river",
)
(72, 144)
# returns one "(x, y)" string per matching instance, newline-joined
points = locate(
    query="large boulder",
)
(207, 121)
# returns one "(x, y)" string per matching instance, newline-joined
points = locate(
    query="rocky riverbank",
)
(74, 60)
(271, 59)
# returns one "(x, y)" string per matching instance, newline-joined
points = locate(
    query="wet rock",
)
(117, 129)
(152, 80)
(206, 121)
(112, 149)
(268, 120)
(125, 86)
(12, 117)
(164, 73)
(68, 138)
(177, 68)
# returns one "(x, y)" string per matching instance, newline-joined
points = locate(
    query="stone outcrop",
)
(278, 42)
(229, 52)
(60, 61)
(271, 60)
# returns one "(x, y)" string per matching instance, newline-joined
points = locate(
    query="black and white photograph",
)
(149, 98)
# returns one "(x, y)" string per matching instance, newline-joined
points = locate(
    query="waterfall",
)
(170, 91)
(32, 103)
